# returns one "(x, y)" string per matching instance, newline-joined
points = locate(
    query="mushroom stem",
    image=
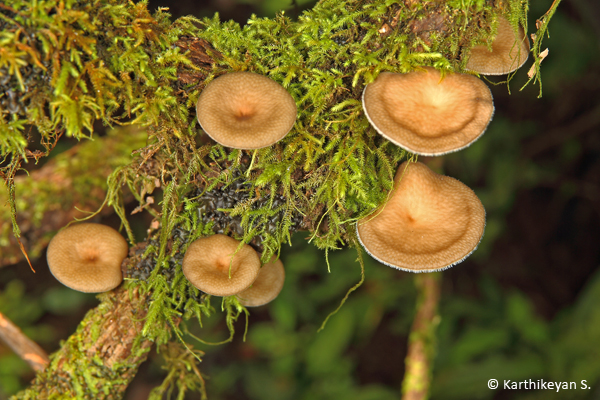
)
(421, 342)
(24, 347)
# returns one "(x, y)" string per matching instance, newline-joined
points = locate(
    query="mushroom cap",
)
(426, 114)
(430, 222)
(266, 287)
(508, 53)
(244, 110)
(207, 263)
(87, 257)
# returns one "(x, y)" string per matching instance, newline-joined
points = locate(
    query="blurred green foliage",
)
(268, 8)
(27, 312)
(501, 337)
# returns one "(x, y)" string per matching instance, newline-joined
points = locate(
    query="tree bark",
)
(100, 359)
(421, 342)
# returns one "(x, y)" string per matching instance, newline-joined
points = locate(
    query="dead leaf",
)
(542, 55)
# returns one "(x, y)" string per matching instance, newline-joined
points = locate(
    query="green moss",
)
(113, 61)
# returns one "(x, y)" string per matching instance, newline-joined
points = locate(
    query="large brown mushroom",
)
(244, 110)
(266, 287)
(87, 257)
(426, 113)
(430, 222)
(508, 53)
(214, 265)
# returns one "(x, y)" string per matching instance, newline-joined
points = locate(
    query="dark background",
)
(523, 306)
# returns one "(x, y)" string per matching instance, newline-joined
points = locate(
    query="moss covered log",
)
(71, 185)
(100, 359)
(66, 64)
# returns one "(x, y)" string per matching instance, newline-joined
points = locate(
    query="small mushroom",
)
(244, 110)
(214, 265)
(430, 222)
(266, 287)
(426, 113)
(507, 55)
(87, 257)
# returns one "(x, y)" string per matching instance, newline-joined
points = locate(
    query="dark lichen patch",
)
(226, 206)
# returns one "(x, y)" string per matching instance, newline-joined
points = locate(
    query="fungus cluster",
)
(221, 266)
(244, 110)
(432, 222)
(87, 257)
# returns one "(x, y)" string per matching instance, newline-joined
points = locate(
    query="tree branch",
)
(100, 359)
(52, 196)
(421, 347)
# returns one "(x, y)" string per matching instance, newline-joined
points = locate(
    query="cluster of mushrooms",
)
(430, 222)
(87, 257)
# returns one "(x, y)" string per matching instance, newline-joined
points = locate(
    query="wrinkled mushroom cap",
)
(427, 114)
(207, 263)
(430, 222)
(87, 257)
(266, 287)
(244, 110)
(508, 53)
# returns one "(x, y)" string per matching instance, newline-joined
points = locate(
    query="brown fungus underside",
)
(87, 257)
(427, 113)
(508, 53)
(430, 222)
(244, 110)
(218, 266)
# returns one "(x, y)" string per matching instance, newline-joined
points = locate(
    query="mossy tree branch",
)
(71, 185)
(100, 359)
(66, 63)
(421, 342)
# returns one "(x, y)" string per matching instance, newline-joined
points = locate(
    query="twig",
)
(421, 342)
(24, 347)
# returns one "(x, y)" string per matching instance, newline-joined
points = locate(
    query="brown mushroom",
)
(244, 110)
(426, 113)
(87, 257)
(507, 54)
(430, 222)
(214, 265)
(266, 287)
